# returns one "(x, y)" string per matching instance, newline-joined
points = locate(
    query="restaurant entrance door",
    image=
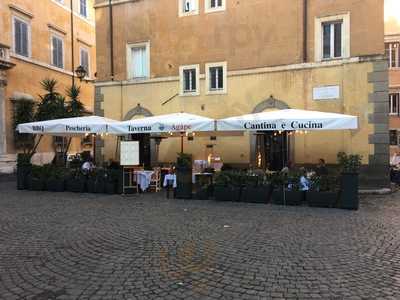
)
(272, 150)
(144, 148)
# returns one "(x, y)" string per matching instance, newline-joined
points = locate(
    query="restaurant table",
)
(144, 179)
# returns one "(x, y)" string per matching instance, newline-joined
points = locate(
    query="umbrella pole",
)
(181, 143)
(36, 145)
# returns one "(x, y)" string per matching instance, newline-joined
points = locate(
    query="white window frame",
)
(129, 48)
(391, 112)
(224, 66)
(397, 54)
(28, 23)
(181, 11)
(58, 36)
(209, 9)
(81, 48)
(318, 36)
(182, 79)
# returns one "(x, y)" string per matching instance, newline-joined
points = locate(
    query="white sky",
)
(392, 9)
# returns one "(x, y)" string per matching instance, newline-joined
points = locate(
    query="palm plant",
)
(52, 103)
(74, 107)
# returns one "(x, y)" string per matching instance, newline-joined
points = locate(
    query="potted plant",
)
(228, 186)
(257, 189)
(24, 167)
(36, 179)
(56, 179)
(350, 167)
(110, 183)
(184, 176)
(323, 192)
(287, 189)
(96, 181)
(76, 182)
(202, 188)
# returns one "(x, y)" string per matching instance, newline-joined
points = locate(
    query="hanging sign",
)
(129, 153)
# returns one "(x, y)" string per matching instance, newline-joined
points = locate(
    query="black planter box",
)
(202, 193)
(36, 184)
(183, 183)
(227, 193)
(292, 198)
(55, 185)
(95, 186)
(22, 177)
(257, 194)
(76, 185)
(110, 188)
(322, 199)
(349, 191)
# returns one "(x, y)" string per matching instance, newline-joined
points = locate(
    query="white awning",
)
(288, 120)
(177, 122)
(68, 126)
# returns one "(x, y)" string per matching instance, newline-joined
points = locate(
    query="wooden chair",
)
(130, 180)
(155, 181)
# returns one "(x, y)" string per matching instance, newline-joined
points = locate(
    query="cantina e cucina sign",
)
(294, 125)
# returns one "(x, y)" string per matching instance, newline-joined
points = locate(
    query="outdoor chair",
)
(155, 181)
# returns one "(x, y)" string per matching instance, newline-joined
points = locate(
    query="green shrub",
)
(349, 163)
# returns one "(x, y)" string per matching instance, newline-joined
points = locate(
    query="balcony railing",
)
(5, 62)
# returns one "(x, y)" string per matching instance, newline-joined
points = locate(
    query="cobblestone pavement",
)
(69, 246)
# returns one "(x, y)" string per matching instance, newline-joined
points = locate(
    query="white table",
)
(144, 179)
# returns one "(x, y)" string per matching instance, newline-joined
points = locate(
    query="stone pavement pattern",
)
(69, 246)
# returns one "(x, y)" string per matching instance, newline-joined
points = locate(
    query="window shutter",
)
(24, 39)
(60, 53)
(54, 50)
(17, 37)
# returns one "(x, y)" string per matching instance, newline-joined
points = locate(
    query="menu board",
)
(130, 153)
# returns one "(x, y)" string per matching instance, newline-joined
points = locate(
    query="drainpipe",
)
(111, 39)
(305, 29)
(72, 43)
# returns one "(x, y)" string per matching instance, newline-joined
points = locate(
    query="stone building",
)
(392, 45)
(36, 43)
(225, 58)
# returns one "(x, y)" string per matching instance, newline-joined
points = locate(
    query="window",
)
(84, 60)
(394, 104)
(138, 61)
(393, 54)
(393, 137)
(57, 52)
(21, 37)
(188, 7)
(332, 37)
(332, 40)
(83, 8)
(214, 5)
(216, 78)
(190, 80)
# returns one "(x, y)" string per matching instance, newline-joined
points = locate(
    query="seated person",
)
(304, 182)
(321, 169)
(87, 166)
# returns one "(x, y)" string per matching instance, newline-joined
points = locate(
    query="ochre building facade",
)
(226, 58)
(31, 30)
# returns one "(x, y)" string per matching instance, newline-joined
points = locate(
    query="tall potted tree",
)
(350, 167)
(184, 176)
(24, 111)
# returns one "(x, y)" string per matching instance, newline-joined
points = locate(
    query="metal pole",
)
(181, 143)
(72, 44)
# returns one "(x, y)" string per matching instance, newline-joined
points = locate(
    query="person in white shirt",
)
(87, 167)
(304, 182)
(395, 160)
